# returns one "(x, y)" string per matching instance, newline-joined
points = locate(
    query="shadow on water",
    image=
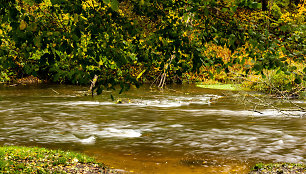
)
(183, 129)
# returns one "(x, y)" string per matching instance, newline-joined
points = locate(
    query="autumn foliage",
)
(132, 42)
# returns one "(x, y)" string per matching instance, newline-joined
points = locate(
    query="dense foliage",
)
(129, 42)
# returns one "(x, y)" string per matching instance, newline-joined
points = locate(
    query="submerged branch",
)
(264, 103)
(164, 73)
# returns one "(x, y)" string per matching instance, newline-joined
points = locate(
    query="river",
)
(182, 129)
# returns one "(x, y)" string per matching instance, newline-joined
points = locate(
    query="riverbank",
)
(276, 168)
(16, 159)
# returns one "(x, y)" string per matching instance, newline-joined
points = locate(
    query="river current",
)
(182, 129)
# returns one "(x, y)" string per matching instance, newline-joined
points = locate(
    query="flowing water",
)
(183, 129)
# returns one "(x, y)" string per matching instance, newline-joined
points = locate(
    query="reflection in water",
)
(187, 130)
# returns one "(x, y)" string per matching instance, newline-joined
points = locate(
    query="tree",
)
(112, 43)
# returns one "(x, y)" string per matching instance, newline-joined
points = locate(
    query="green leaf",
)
(224, 9)
(57, 1)
(222, 87)
(292, 68)
(37, 41)
(75, 37)
(233, 9)
(259, 6)
(288, 73)
(33, 27)
(298, 80)
(115, 5)
(284, 28)
(106, 1)
(258, 67)
(263, 75)
(29, 2)
(211, 75)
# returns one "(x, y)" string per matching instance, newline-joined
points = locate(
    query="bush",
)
(276, 11)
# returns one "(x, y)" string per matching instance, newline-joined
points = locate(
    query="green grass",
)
(230, 87)
(276, 168)
(16, 159)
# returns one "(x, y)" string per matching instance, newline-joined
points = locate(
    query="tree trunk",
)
(264, 4)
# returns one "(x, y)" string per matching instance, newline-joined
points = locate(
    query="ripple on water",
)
(166, 122)
(161, 101)
(119, 133)
(261, 113)
(176, 125)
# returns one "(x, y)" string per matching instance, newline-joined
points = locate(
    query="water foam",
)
(119, 133)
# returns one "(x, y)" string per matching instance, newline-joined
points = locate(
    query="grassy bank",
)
(277, 168)
(15, 159)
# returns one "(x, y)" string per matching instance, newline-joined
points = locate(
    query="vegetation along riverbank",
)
(277, 168)
(260, 44)
(16, 159)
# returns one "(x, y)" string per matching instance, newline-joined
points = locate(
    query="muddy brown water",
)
(183, 129)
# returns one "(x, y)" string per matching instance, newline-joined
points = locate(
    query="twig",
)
(261, 102)
(55, 91)
(163, 74)
(93, 84)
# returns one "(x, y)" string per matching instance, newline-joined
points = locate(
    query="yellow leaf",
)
(100, 62)
(140, 74)
(23, 25)
(141, 2)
